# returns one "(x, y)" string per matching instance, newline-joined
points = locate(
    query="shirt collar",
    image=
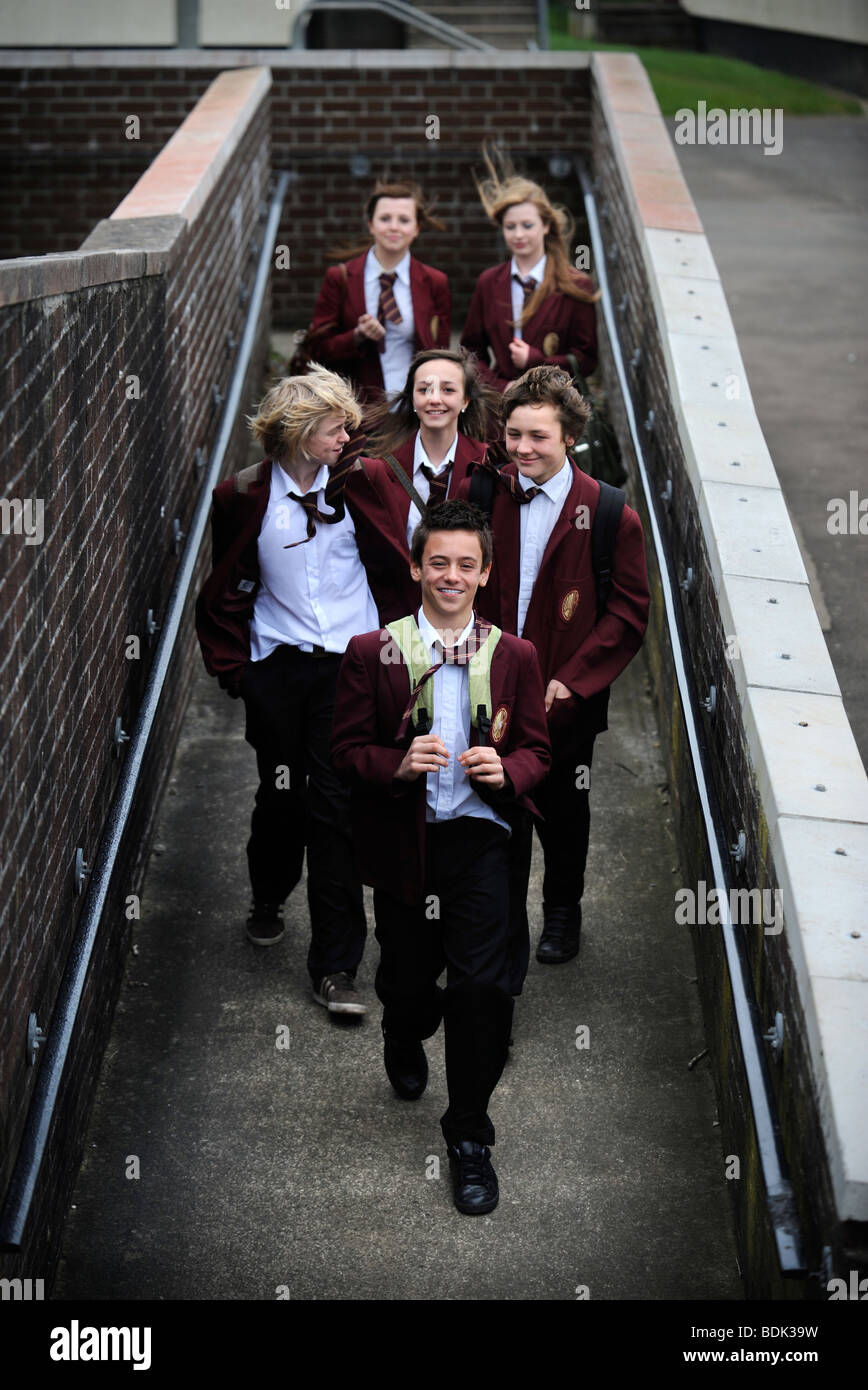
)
(420, 457)
(430, 635)
(537, 272)
(556, 487)
(285, 484)
(373, 269)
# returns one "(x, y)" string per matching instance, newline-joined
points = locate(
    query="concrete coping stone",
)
(812, 786)
(773, 636)
(830, 959)
(40, 277)
(191, 162)
(282, 59)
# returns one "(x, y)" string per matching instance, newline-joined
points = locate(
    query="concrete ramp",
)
(268, 1170)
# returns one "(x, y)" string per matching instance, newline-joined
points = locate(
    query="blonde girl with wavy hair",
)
(535, 308)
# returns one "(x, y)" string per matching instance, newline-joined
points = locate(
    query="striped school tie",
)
(313, 513)
(334, 488)
(528, 285)
(387, 308)
(459, 655)
(439, 483)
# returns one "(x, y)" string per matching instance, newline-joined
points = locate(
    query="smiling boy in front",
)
(440, 724)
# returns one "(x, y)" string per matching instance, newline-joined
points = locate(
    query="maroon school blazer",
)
(561, 325)
(573, 646)
(341, 302)
(388, 816)
(380, 507)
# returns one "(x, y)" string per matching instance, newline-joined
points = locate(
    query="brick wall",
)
(114, 471)
(322, 120)
(733, 784)
(65, 158)
(66, 129)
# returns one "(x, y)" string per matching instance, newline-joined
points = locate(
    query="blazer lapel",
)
(503, 324)
(355, 300)
(422, 309)
(467, 451)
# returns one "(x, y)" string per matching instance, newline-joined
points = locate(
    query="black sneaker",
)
(474, 1181)
(339, 994)
(265, 923)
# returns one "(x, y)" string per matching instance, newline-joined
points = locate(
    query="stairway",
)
(506, 24)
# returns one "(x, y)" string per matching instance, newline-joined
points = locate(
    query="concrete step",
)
(510, 24)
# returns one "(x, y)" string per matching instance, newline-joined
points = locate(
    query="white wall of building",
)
(87, 23)
(142, 23)
(258, 23)
(845, 20)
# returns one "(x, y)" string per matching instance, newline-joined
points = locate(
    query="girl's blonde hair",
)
(293, 409)
(504, 189)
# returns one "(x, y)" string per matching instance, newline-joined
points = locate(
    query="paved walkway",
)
(261, 1167)
(789, 234)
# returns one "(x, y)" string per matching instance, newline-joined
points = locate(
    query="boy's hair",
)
(293, 409)
(452, 515)
(548, 385)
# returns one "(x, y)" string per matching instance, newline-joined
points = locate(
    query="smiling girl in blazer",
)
(534, 308)
(421, 448)
(376, 310)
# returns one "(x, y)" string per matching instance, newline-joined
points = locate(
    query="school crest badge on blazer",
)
(551, 343)
(499, 723)
(569, 604)
(435, 326)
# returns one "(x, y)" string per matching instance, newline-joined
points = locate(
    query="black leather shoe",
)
(474, 1181)
(560, 939)
(265, 923)
(406, 1067)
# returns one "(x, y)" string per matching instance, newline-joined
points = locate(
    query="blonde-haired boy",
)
(286, 594)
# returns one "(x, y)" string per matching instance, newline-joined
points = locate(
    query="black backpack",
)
(607, 519)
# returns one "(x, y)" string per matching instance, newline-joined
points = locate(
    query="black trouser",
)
(462, 923)
(564, 832)
(289, 698)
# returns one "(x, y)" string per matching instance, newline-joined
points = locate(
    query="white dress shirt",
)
(315, 594)
(538, 517)
(538, 272)
(400, 337)
(449, 790)
(423, 484)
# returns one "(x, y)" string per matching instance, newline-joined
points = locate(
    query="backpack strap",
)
(254, 473)
(607, 519)
(479, 686)
(413, 653)
(414, 496)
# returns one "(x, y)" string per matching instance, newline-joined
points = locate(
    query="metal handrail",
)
(41, 1110)
(396, 9)
(782, 1211)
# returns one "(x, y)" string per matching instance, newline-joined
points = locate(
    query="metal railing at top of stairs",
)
(782, 1211)
(57, 1042)
(395, 9)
